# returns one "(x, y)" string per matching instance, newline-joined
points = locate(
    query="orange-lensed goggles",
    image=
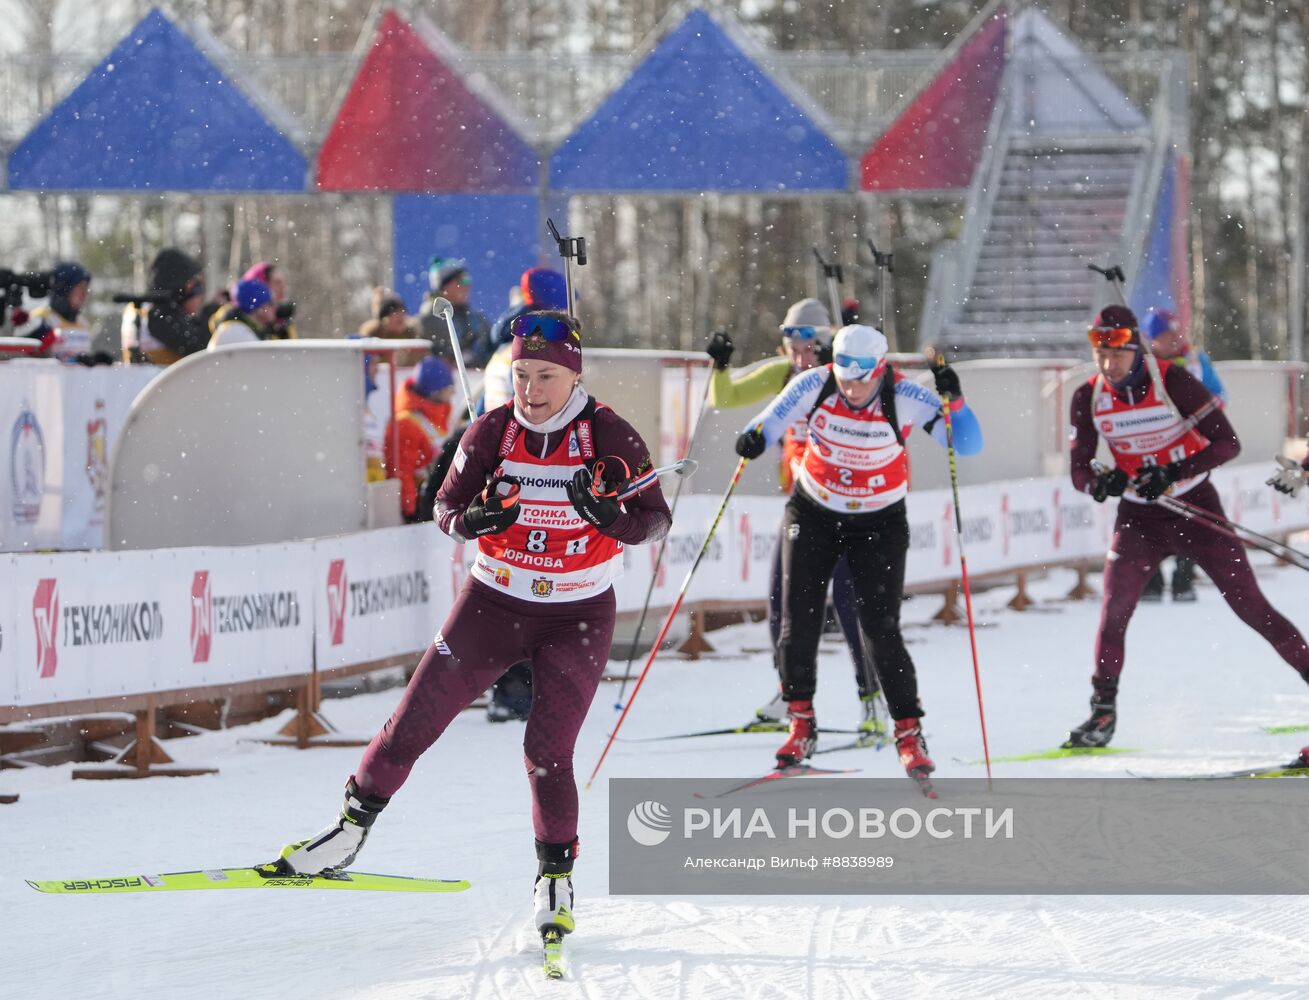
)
(1110, 336)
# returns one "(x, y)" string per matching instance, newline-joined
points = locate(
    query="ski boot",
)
(774, 711)
(338, 845)
(1154, 588)
(803, 738)
(1096, 731)
(872, 727)
(1184, 582)
(912, 746)
(553, 896)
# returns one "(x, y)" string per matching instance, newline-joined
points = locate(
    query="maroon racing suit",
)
(565, 634)
(1147, 533)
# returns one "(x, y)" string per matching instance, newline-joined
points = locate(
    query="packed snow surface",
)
(1197, 691)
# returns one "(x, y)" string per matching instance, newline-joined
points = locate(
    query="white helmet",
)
(859, 353)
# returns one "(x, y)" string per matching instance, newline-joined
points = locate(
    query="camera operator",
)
(70, 286)
(170, 327)
(20, 335)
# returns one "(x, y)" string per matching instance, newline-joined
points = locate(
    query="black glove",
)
(947, 383)
(1151, 482)
(599, 511)
(1109, 483)
(495, 509)
(751, 444)
(720, 349)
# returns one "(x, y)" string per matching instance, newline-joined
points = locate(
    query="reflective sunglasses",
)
(1110, 336)
(552, 328)
(857, 369)
(800, 332)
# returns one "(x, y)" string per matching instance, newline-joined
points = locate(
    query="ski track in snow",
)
(1197, 689)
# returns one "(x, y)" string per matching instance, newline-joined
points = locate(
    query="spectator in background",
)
(170, 328)
(422, 422)
(449, 279)
(391, 321)
(70, 285)
(1169, 342)
(283, 327)
(248, 319)
(539, 288)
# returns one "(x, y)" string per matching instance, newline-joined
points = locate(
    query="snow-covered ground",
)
(1197, 692)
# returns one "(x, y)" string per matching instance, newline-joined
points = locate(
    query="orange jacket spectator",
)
(422, 423)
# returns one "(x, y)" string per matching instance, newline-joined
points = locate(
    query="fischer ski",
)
(552, 953)
(1298, 768)
(778, 774)
(267, 876)
(1058, 753)
(756, 726)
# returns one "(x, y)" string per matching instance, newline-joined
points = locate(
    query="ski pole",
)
(1238, 532)
(883, 262)
(445, 309)
(672, 613)
(1114, 275)
(832, 272)
(963, 570)
(1220, 524)
(663, 547)
(683, 468)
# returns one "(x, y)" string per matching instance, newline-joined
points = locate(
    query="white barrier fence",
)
(77, 627)
(215, 452)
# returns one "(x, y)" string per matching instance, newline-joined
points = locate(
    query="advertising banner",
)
(103, 624)
(380, 593)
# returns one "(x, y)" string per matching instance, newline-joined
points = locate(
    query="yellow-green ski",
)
(552, 949)
(261, 877)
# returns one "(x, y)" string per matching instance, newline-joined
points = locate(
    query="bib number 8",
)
(536, 541)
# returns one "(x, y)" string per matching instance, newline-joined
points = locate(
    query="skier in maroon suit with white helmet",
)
(1161, 444)
(534, 483)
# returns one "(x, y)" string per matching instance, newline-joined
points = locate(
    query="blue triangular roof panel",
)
(699, 115)
(156, 115)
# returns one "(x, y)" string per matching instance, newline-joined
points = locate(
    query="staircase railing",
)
(951, 275)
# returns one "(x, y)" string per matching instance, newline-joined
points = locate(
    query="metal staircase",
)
(1058, 203)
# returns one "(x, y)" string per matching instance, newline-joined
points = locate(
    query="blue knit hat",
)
(443, 270)
(67, 275)
(432, 376)
(1158, 322)
(249, 295)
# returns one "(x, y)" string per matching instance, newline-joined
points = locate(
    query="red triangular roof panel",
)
(409, 123)
(936, 141)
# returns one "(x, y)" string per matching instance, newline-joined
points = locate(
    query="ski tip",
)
(35, 885)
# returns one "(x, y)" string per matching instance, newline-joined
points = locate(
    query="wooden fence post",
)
(141, 757)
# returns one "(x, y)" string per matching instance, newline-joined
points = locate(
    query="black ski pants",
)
(847, 613)
(874, 545)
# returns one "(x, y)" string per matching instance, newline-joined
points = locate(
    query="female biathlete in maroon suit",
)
(548, 551)
(1159, 445)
